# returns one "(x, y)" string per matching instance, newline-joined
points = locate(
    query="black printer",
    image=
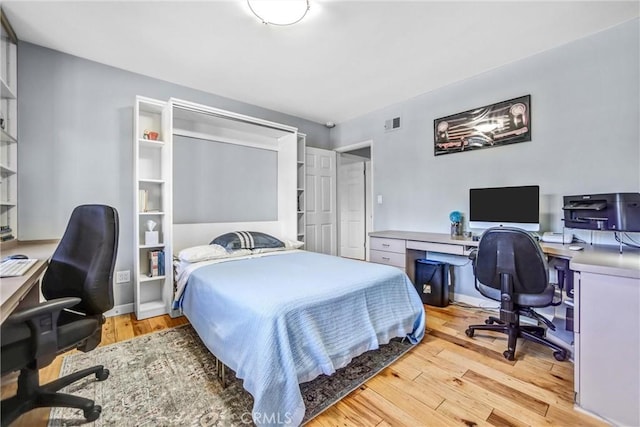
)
(606, 212)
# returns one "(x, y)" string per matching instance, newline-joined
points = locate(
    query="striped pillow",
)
(247, 240)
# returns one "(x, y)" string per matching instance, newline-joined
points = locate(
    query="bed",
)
(282, 318)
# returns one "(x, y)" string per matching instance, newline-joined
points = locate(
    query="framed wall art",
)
(502, 123)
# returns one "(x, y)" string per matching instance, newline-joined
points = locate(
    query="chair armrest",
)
(42, 321)
(48, 307)
(473, 256)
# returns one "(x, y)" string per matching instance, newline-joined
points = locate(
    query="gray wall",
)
(76, 135)
(585, 138)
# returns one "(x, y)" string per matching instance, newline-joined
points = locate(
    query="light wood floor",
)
(448, 379)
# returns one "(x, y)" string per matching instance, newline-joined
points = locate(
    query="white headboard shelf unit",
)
(206, 123)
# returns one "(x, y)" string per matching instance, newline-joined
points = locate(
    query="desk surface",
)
(14, 289)
(599, 259)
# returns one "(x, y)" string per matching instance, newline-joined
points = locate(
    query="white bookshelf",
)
(8, 133)
(152, 175)
(301, 196)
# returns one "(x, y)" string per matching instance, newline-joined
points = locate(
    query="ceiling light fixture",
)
(279, 12)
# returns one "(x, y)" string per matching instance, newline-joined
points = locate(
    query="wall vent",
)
(392, 124)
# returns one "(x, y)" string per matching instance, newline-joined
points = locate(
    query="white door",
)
(321, 201)
(351, 187)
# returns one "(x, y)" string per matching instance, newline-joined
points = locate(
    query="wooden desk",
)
(22, 290)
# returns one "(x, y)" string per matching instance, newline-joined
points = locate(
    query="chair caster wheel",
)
(93, 413)
(488, 321)
(509, 355)
(102, 375)
(469, 333)
(560, 355)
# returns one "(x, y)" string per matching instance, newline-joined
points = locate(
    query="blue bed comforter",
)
(281, 320)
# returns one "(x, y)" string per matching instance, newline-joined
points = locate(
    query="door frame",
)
(345, 149)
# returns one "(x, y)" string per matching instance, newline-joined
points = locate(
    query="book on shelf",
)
(156, 263)
(160, 263)
(143, 198)
(6, 233)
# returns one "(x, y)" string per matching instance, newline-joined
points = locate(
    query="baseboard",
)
(483, 303)
(120, 309)
(578, 408)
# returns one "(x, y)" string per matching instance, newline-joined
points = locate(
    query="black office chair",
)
(510, 267)
(78, 287)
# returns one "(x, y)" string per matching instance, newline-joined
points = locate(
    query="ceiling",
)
(345, 59)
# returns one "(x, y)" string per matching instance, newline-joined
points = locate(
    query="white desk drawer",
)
(390, 245)
(389, 258)
(444, 248)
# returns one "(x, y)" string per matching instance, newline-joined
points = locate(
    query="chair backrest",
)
(83, 263)
(514, 252)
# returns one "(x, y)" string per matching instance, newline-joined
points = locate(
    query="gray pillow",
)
(247, 240)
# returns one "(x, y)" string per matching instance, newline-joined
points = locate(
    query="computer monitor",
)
(505, 206)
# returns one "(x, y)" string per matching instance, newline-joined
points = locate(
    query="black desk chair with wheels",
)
(78, 287)
(510, 267)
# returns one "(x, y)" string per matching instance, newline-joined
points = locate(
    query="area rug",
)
(168, 378)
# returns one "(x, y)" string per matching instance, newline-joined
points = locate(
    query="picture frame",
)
(502, 123)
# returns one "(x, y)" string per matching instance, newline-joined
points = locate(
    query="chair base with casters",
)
(18, 342)
(31, 395)
(514, 331)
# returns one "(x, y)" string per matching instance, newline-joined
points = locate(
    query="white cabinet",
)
(388, 251)
(302, 222)
(8, 134)
(608, 346)
(152, 208)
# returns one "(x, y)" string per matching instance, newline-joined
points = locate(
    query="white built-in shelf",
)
(152, 308)
(6, 137)
(9, 130)
(6, 170)
(152, 295)
(301, 186)
(149, 143)
(159, 245)
(5, 91)
(151, 305)
(144, 278)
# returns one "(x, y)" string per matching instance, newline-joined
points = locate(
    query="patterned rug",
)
(168, 378)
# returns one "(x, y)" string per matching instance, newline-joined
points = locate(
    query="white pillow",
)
(202, 253)
(266, 250)
(292, 244)
(239, 252)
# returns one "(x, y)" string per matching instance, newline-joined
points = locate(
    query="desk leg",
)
(410, 266)
(32, 298)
